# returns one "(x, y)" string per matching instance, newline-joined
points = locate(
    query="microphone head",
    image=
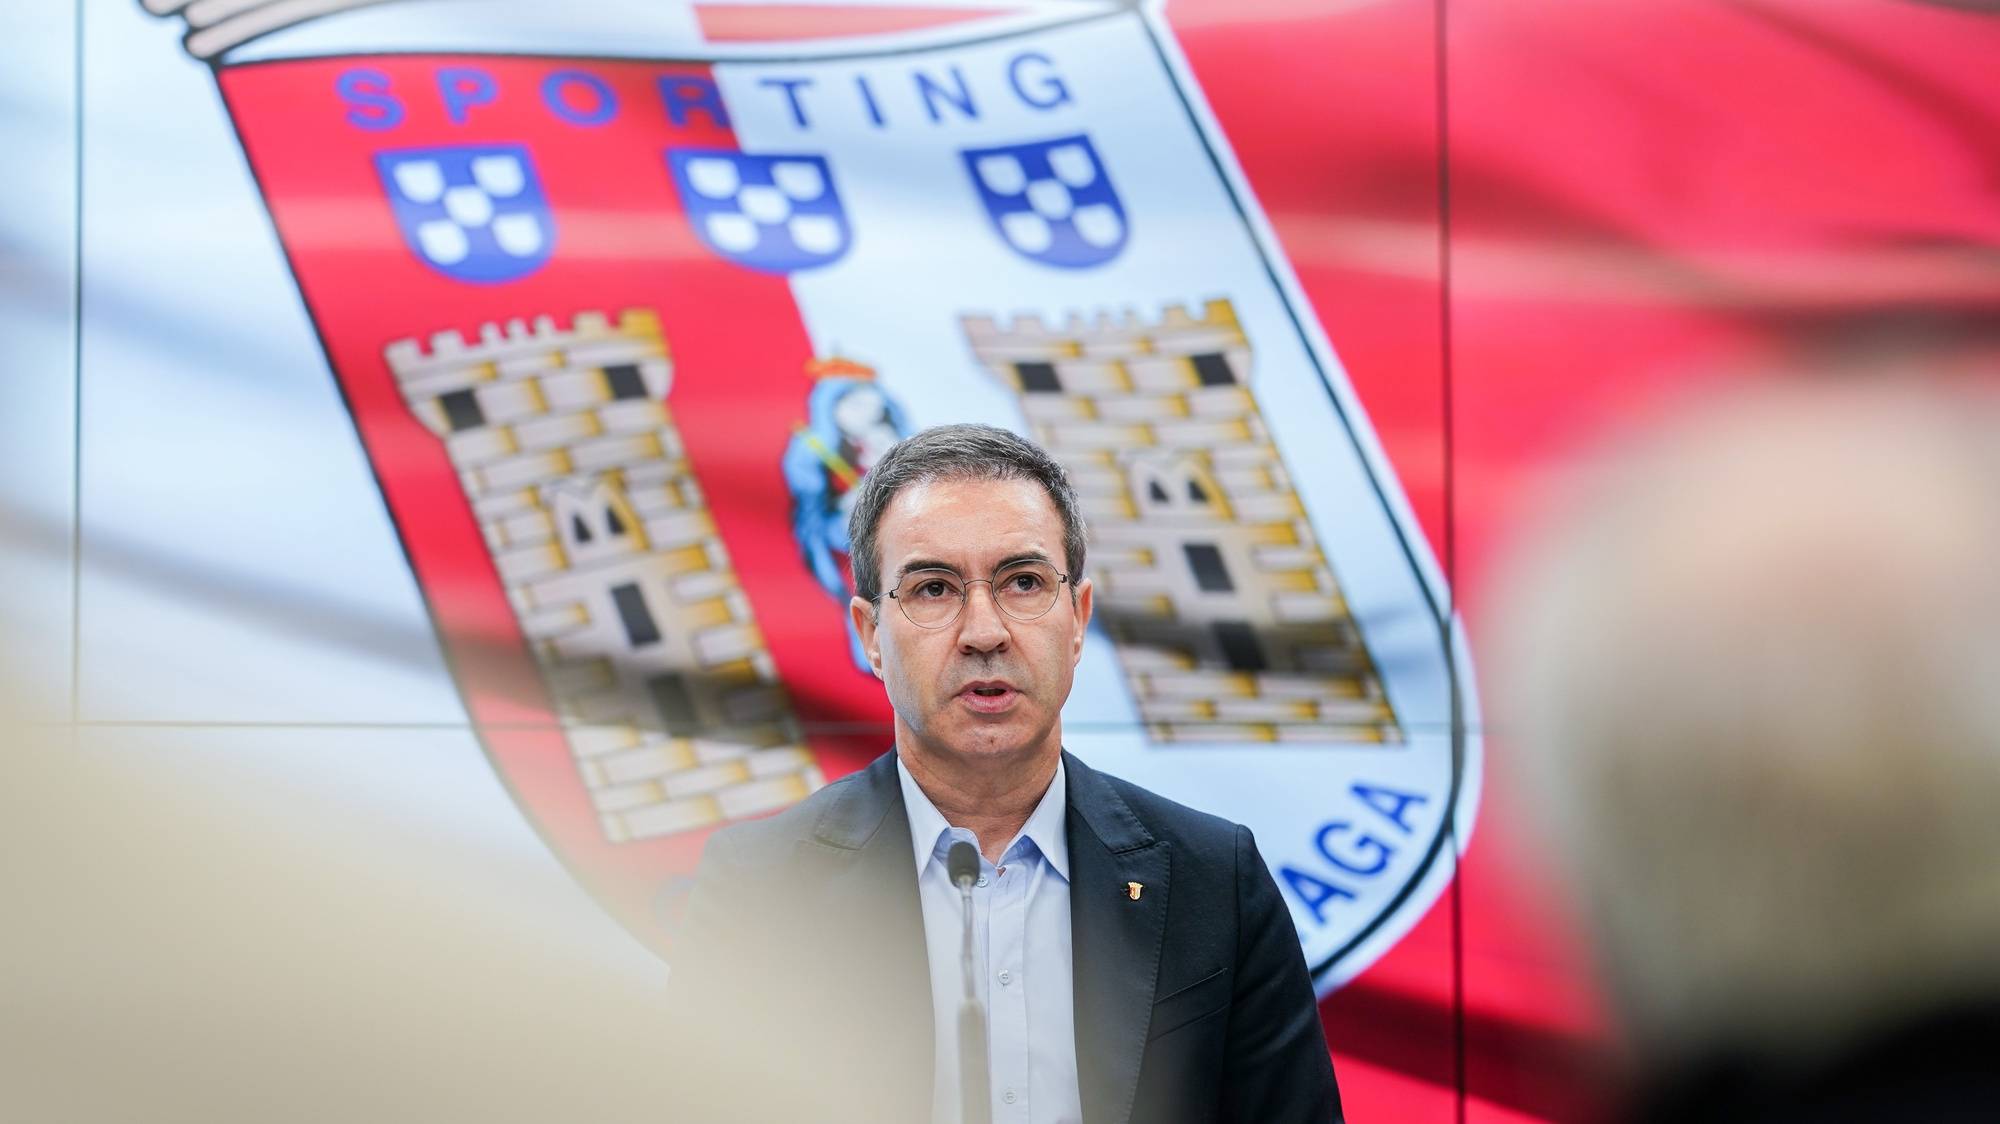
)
(962, 863)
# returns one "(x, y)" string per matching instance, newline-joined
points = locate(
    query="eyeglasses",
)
(934, 598)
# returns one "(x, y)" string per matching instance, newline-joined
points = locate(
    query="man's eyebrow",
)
(1017, 559)
(916, 564)
(913, 566)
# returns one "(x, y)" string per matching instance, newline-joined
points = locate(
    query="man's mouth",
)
(988, 696)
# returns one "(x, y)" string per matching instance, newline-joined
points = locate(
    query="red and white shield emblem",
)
(620, 334)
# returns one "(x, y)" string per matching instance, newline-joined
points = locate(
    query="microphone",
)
(975, 1083)
(962, 863)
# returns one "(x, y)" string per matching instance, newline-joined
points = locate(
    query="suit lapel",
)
(1115, 940)
(859, 866)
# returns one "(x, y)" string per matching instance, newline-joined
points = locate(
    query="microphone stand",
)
(974, 1080)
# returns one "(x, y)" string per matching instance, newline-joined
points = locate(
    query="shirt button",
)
(1008, 1096)
(1006, 977)
(981, 882)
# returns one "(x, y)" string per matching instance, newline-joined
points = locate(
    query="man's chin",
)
(994, 742)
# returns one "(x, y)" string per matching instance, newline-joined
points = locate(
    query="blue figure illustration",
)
(850, 422)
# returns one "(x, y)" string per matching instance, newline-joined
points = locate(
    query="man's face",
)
(986, 685)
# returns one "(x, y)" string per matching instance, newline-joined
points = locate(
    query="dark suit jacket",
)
(802, 992)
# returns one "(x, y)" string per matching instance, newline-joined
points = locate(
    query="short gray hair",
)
(957, 452)
(1754, 718)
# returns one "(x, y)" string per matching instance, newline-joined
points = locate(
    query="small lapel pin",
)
(1133, 890)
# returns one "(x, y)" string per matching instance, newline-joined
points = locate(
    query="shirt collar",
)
(927, 825)
(1045, 827)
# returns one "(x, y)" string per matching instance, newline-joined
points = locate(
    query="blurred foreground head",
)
(195, 936)
(1755, 692)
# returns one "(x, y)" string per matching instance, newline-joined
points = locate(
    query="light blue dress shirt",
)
(1021, 960)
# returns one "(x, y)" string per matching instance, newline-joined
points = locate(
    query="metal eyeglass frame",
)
(965, 594)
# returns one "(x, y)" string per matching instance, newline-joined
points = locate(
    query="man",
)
(1753, 700)
(1134, 960)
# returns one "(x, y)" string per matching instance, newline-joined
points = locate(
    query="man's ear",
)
(1084, 598)
(862, 612)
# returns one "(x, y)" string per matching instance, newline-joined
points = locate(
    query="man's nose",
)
(982, 628)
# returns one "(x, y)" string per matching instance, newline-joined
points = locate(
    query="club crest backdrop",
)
(488, 381)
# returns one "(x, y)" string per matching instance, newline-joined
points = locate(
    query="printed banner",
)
(621, 334)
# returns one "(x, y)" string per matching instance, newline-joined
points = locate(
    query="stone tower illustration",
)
(574, 469)
(1224, 612)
